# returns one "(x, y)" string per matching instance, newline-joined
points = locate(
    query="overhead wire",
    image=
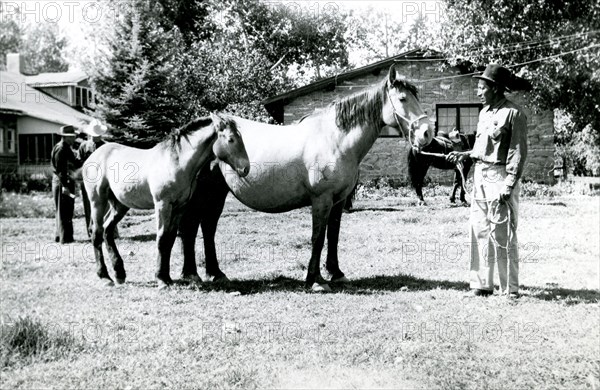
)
(515, 65)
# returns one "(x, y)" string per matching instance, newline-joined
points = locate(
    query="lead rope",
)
(459, 166)
(493, 215)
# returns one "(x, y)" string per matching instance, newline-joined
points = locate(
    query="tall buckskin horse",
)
(162, 178)
(432, 155)
(311, 163)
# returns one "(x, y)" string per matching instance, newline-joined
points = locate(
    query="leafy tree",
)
(417, 35)
(10, 36)
(43, 47)
(478, 32)
(288, 34)
(154, 70)
(141, 83)
(40, 44)
(576, 149)
(190, 17)
(375, 35)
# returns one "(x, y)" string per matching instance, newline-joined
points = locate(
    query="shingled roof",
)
(274, 104)
(21, 99)
(56, 79)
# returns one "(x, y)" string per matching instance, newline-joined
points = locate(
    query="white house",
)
(32, 110)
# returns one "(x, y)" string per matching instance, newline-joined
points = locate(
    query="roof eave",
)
(343, 76)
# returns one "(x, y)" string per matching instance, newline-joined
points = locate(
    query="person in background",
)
(95, 130)
(63, 185)
(499, 153)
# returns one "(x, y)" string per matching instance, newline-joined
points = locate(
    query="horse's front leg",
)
(466, 167)
(166, 232)
(333, 235)
(321, 208)
(456, 186)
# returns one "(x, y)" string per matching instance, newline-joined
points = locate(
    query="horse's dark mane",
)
(366, 106)
(173, 139)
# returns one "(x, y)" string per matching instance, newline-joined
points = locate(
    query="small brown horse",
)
(433, 156)
(162, 178)
(310, 163)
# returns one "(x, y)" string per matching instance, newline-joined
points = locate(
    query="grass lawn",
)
(403, 322)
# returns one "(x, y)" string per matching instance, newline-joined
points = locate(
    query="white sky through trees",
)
(74, 16)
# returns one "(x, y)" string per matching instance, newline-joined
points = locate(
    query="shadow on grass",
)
(365, 286)
(384, 209)
(143, 237)
(377, 285)
(564, 296)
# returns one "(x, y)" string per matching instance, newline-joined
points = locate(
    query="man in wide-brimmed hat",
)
(95, 130)
(63, 185)
(499, 152)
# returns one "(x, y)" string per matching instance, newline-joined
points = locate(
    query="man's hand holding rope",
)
(457, 157)
(504, 194)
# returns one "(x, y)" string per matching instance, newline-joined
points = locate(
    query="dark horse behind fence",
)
(311, 163)
(419, 162)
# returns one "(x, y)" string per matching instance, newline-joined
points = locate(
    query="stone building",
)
(449, 97)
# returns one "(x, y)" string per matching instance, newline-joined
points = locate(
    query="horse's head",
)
(455, 136)
(403, 110)
(229, 146)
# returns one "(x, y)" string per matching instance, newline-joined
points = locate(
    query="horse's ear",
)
(392, 74)
(217, 121)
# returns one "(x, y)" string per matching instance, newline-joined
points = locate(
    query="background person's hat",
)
(67, 131)
(497, 74)
(95, 128)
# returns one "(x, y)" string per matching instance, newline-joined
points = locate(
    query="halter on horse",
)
(311, 163)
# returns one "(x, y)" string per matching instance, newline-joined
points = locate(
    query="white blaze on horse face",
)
(454, 136)
(423, 133)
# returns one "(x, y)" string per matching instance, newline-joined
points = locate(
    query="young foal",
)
(162, 178)
(419, 163)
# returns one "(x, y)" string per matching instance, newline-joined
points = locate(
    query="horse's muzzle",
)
(243, 171)
(423, 136)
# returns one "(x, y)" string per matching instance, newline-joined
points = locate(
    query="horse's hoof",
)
(342, 279)
(162, 285)
(107, 282)
(121, 281)
(192, 278)
(324, 287)
(221, 279)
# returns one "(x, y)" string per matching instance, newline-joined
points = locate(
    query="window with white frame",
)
(77, 96)
(10, 140)
(461, 116)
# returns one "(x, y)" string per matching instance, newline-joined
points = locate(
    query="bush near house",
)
(26, 183)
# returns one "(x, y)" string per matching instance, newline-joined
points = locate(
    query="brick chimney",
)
(15, 63)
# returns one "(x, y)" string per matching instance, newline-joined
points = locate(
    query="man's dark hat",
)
(498, 75)
(67, 131)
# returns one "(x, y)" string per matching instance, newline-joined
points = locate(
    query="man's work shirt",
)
(62, 155)
(87, 148)
(502, 138)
